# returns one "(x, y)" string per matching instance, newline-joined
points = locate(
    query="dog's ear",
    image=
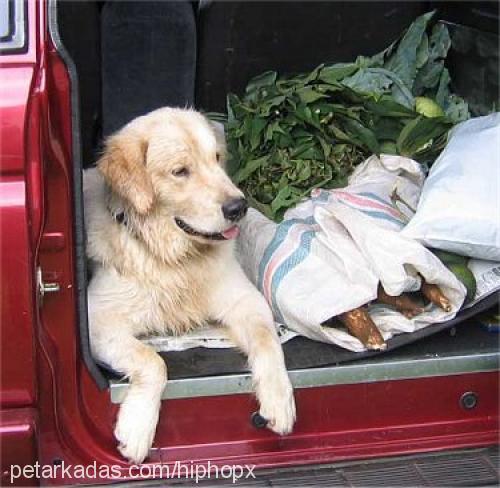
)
(220, 137)
(123, 167)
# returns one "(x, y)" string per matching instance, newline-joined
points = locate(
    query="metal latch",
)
(44, 288)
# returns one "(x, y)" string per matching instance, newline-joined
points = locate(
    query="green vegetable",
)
(464, 275)
(447, 257)
(288, 135)
(428, 108)
(457, 264)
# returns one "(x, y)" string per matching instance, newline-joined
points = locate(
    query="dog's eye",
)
(217, 156)
(182, 171)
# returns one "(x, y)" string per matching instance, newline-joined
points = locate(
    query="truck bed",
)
(442, 349)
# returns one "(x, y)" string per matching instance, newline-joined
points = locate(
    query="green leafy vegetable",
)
(288, 135)
(428, 107)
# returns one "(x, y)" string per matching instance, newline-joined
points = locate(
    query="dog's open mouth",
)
(230, 233)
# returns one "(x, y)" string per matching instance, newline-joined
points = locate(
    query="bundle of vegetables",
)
(288, 135)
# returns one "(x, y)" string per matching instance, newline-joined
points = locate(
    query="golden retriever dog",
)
(161, 220)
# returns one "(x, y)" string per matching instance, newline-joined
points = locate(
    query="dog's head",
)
(169, 166)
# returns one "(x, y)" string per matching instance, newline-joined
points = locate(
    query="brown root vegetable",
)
(402, 303)
(359, 323)
(436, 296)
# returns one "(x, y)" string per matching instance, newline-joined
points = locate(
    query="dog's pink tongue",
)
(231, 233)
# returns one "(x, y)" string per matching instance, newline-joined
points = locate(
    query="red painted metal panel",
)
(336, 423)
(17, 387)
(17, 268)
(18, 441)
(17, 370)
(15, 86)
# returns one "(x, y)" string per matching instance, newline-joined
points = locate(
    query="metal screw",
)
(258, 421)
(468, 400)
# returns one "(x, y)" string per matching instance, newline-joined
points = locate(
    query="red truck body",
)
(52, 411)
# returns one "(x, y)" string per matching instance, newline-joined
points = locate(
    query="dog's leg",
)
(254, 333)
(246, 314)
(138, 415)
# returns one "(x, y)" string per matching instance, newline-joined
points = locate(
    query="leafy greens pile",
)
(288, 135)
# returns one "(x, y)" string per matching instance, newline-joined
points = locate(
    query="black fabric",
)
(477, 14)
(79, 29)
(239, 40)
(473, 62)
(302, 353)
(148, 58)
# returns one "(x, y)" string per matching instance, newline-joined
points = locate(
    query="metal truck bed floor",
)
(466, 348)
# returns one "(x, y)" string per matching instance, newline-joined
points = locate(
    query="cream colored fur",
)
(151, 277)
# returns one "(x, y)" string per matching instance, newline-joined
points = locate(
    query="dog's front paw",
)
(135, 429)
(277, 405)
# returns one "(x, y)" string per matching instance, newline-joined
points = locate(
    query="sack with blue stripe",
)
(330, 253)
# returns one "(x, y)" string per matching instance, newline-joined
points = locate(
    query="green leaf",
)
(308, 94)
(339, 133)
(308, 152)
(306, 78)
(305, 172)
(231, 100)
(327, 148)
(368, 81)
(284, 140)
(305, 114)
(419, 132)
(404, 61)
(439, 42)
(261, 207)
(250, 167)
(388, 128)
(256, 127)
(261, 81)
(361, 135)
(378, 80)
(443, 92)
(457, 109)
(388, 147)
(269, 104)
(428, 77)
(400, 91)
(273, 128)
(298, 150)
(337, 72)
(282, 198)
(422, 51)
(387, 107)
(403, 96)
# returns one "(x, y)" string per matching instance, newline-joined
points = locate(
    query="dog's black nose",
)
(235, 209)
